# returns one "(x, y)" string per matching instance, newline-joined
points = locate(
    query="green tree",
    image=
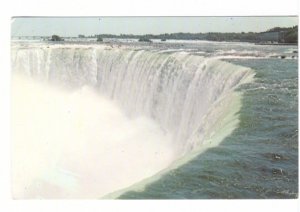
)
(99, 39)
(56, 38)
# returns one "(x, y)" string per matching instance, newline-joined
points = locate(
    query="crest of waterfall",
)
(176, 89)
(191, 99)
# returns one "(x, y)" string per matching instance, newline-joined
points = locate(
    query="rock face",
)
(56, 38)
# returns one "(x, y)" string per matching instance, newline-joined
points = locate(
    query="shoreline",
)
(278, 44)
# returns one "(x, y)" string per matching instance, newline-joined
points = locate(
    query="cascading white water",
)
(186, 96)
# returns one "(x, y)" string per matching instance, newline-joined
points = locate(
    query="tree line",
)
(285, 35)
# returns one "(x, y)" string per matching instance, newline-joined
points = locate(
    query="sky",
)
(73, 26)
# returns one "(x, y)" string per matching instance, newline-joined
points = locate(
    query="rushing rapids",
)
(190, 99)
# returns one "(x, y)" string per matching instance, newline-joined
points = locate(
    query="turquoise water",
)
(259, 159)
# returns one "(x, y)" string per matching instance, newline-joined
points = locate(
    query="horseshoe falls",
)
(127, 121)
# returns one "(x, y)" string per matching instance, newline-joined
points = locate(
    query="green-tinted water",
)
(260, 158)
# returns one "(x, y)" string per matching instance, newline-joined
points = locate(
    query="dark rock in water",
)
(295, 51)
(282, 56)
(278, 171)
(145, 39)
(268, 171)
(99, 39)
(56, 38)
(274, 156)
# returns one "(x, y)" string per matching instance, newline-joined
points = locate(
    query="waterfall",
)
(188, 96)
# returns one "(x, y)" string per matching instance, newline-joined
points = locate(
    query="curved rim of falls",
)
(192, 98)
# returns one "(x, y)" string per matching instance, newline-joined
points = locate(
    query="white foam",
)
(79, 144)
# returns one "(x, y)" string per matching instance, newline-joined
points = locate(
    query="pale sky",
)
(72, 26)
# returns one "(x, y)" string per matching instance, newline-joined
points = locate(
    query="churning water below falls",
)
(168, 120)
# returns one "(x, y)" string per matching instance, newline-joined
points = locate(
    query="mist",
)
(78, 144)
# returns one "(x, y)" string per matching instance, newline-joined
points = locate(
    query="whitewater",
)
(89, 121)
